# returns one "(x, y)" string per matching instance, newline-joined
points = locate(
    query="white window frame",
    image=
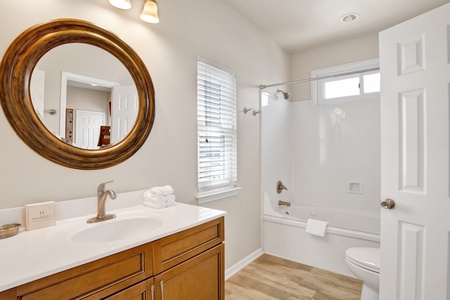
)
(219, 154)
(318, 86)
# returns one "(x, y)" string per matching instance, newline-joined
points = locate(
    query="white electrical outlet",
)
(39, 215)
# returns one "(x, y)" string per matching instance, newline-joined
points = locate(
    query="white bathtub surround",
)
(284, 235)
(327, 155)
(34, 254)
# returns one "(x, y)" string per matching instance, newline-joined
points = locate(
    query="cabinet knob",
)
(388, 204)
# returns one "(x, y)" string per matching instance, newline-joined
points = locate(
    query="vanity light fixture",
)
(149, 13)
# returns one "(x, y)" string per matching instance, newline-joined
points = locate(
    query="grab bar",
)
(285, 203)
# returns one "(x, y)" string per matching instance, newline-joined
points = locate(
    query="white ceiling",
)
(296, 25)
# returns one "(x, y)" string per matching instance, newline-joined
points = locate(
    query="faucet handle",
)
(280, 187)
(101, 187)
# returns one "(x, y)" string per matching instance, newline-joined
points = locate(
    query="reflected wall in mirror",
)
(43, 95)
(89, 86)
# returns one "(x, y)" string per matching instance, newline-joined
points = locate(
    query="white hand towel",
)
(155, 199)
(316, 227)
(170, 200)
(147, 194)
(159, 204)
(155, 205)
(161, 190)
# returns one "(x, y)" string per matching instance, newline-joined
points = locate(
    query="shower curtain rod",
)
(262, 86)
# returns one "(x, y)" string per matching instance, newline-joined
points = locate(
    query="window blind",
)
(216, 127)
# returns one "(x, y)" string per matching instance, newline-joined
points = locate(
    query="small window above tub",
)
(358, 81)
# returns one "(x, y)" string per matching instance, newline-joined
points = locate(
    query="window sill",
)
(205, 197)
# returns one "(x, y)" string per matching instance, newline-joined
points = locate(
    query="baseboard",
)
(242, 263)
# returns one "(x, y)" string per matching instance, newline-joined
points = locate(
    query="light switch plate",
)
(39, 215)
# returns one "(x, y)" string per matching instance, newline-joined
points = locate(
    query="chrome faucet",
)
(102, 195)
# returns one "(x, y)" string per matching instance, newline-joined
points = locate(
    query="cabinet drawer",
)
(104, 277)
(140, 291)
(176, 248)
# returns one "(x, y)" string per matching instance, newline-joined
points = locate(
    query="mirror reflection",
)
(84, 96)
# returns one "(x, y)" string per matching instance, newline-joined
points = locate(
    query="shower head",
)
(286, 95)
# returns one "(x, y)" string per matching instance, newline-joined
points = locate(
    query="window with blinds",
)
(216, 128)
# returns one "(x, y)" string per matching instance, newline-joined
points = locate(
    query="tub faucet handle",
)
(280, 187)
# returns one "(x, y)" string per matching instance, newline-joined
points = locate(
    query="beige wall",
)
(207, 28)
(327, 56)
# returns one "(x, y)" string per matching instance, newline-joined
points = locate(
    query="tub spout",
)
(286, 203)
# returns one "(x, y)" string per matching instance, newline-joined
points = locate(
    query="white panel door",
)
(125, 105)
(415, 84)
(87, 128)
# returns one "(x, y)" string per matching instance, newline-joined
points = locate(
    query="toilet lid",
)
(367, 258)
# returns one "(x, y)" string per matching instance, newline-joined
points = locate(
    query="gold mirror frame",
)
(17, 67)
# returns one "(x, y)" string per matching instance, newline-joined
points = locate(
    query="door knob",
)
(388, 204)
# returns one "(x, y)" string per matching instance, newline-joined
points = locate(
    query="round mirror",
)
(77, 89)
(77, 94)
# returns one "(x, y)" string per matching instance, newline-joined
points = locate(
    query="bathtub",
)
(284, 234)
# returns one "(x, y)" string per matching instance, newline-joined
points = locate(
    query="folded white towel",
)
(316, 227)
(161, 190)
(159, 199)
(155, 205)
(147, 194)
(170, 201)
(158, 205)
(155, 199)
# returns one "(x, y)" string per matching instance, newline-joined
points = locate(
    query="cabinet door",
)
(199, 278)
(139, 291)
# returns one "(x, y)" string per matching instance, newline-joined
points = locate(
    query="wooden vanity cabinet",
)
(188, 265)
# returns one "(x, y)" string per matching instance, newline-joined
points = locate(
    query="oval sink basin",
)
(115, 230)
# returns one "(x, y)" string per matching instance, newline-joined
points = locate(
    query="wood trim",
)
(16, 70)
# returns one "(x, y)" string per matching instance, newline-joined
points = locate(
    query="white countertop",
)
(31, 255)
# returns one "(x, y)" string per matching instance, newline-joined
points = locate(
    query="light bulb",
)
(150, 12)
(122, 4)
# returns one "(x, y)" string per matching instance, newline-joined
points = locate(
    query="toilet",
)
(364, 263)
